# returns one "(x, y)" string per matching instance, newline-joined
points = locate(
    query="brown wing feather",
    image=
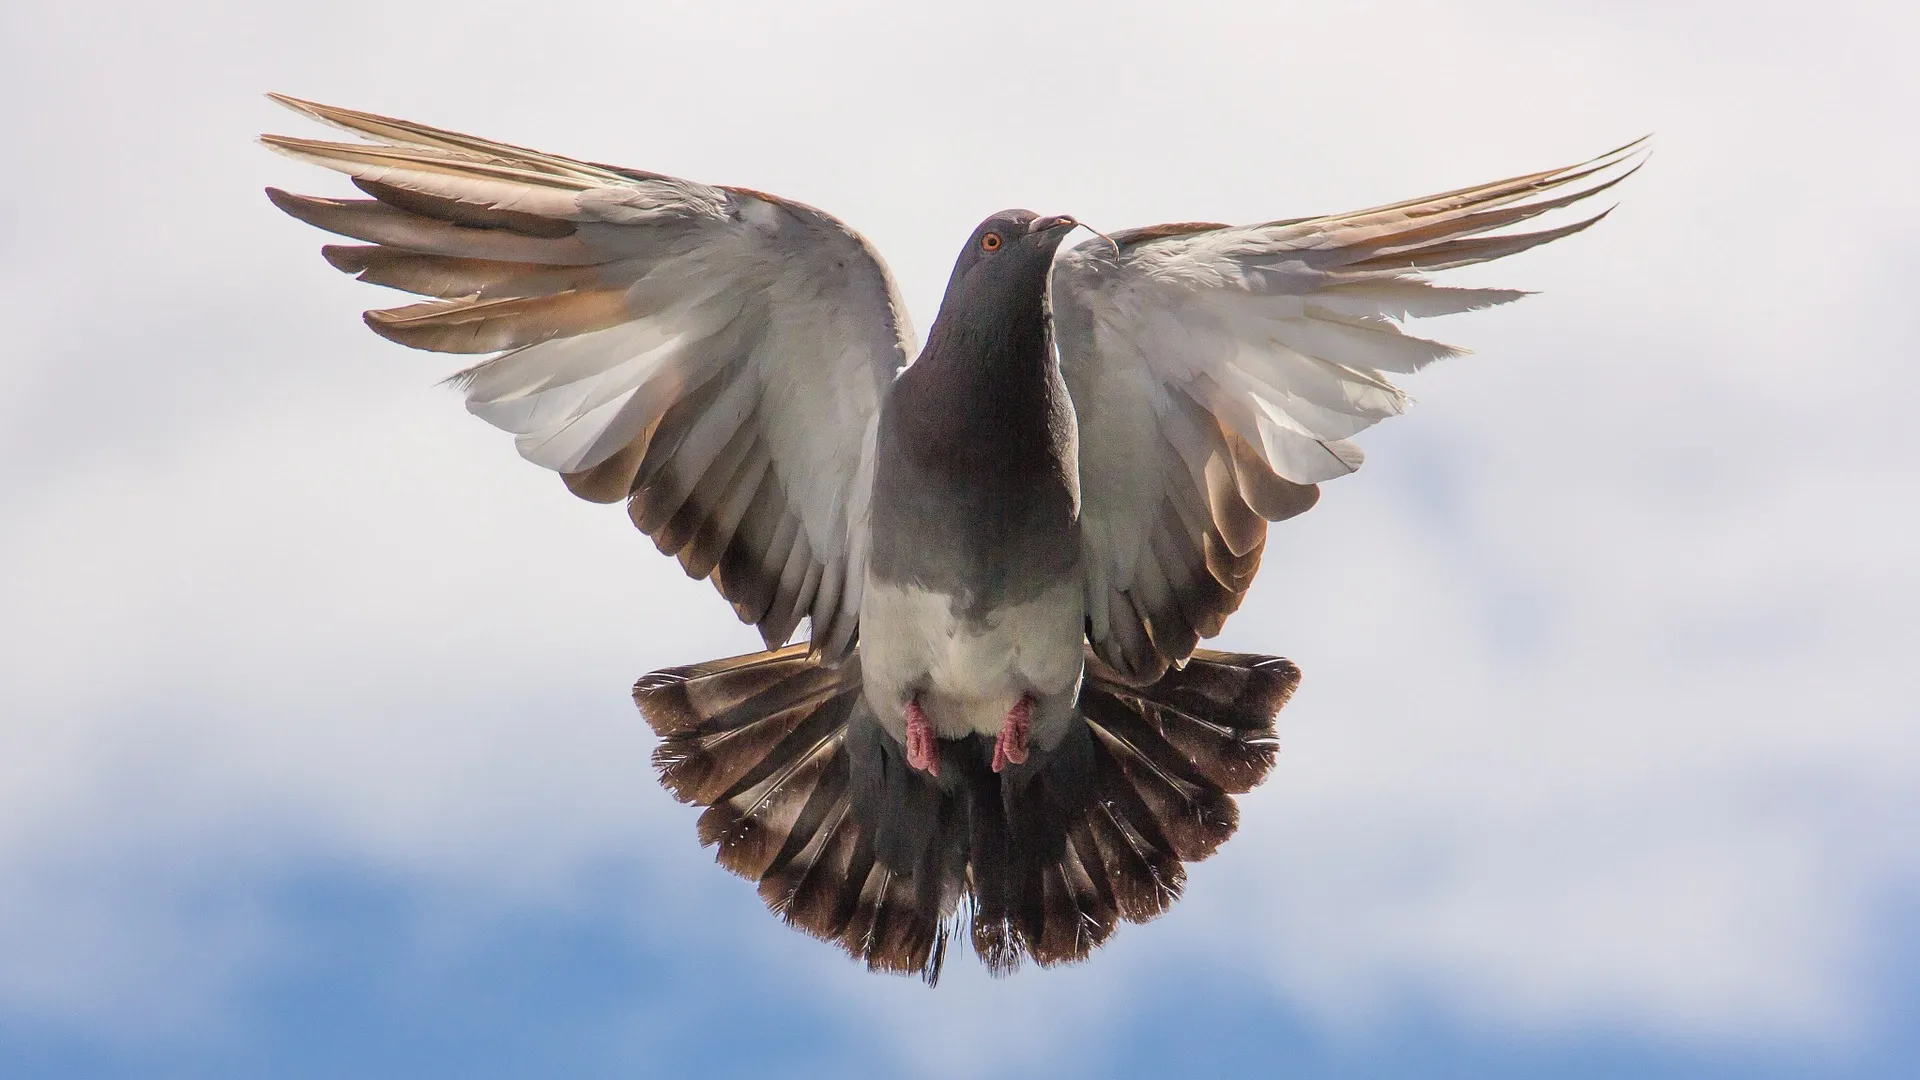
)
(551, 263)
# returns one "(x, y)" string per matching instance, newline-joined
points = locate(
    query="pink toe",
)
(1011, 747)
(922, 752)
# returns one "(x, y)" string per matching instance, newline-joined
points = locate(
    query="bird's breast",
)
(975, 502)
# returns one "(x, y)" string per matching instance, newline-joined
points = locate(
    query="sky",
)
(316, 754)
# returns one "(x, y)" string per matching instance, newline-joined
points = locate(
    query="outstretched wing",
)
(714, 356)
(1218, 372)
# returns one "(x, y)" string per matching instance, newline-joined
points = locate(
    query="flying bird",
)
(1005, 545)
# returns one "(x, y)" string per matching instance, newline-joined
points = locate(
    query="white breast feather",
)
(969, 675)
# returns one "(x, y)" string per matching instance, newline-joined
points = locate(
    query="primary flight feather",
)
(1006, 544)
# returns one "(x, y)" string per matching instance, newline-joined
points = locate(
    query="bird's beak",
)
(1051, 221)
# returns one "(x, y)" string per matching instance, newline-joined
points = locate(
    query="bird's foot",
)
(923, 752)
(1011, 747)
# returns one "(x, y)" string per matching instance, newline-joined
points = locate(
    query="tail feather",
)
(1190, 814)
(1146, 879)
(760, 741)
(754, 821)
(806, 796)
(810, 890)
(894, 928)
(1217, 713)
(727, 719)
(1099, 902)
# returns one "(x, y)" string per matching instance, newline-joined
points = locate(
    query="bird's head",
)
(1006, 260)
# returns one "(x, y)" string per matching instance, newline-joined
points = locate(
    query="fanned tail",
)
(761, 741)
(808, 797)
(1100, 833)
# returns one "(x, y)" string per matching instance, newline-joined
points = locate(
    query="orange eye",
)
(990, 242)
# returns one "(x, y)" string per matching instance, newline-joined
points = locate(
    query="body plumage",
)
(1006, 546)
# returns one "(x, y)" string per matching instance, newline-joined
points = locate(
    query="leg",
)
(1011, 747)
(923, 752)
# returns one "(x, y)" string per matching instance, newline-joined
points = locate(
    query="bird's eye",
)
(990, 242)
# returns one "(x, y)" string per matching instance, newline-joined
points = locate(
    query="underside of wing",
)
(713, 356)
(1218, 373)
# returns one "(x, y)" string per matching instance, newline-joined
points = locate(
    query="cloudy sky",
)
(316, 757)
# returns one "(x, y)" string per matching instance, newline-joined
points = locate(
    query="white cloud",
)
(1604, 720)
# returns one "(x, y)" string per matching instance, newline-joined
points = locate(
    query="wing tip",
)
(279, 144)
(285, 201)
(1346, 452)
(330, 115)
(1634, 154)
(319, 152)
(392, 324)
(348, 258)
(299, 105)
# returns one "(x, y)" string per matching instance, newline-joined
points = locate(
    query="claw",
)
(923, 752)
(1011, 747)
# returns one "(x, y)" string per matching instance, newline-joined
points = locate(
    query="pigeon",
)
(1005, 546)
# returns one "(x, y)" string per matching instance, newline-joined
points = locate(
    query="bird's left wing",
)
(1218, 372)
(712, 355)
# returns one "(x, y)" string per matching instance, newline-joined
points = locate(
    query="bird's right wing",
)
(1218, 372)
(712, 355)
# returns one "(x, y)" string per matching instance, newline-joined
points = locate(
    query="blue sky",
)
(315, 752)
(587, 996)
